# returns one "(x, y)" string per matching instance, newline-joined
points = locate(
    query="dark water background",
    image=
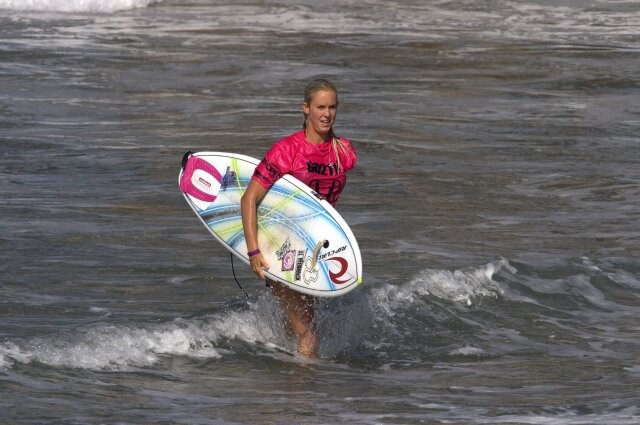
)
(496, 203)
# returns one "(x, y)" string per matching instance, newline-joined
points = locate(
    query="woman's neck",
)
(315, 138)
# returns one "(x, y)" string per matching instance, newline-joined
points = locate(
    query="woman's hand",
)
(259, 264)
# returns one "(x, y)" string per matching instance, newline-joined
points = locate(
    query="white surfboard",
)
(308, 245)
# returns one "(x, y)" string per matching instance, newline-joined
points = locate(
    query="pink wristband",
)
(253, 253)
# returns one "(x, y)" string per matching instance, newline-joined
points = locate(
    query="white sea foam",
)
(118, 347)
(462, 286)
(112, 347)
(467, 351)
(75, 6)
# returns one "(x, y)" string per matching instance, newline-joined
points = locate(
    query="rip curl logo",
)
(343, 267)
(333, 252)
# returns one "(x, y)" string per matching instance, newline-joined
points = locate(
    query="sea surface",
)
(496, 202)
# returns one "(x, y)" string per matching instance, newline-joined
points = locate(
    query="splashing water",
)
(344, 324)
(119, 347)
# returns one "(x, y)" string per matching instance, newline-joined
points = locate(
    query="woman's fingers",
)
(259, 265)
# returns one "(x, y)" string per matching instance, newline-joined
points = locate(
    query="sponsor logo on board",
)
(299, 264)
(332, 252)
(228, 179)
(289, 261)
(310, 273)
(282, 251)
(343, 266)
(287, 256)
(204, 182)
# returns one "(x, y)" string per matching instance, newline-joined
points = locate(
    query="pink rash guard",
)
(314, 165)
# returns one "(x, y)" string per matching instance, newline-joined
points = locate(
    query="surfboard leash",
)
(233, 269)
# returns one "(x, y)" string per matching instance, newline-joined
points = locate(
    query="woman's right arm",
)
(249, 209)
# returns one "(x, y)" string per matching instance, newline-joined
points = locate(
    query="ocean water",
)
(496, 203)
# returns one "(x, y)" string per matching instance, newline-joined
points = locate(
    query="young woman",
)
(317, 157)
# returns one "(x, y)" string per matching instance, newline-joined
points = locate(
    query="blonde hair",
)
(325, 85)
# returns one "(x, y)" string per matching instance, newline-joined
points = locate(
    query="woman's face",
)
(321, 113)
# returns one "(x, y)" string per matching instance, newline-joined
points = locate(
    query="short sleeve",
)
(275, 163)
(348, 157)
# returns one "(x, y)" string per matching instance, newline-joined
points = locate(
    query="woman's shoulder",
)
(290, 142)
(282, 153)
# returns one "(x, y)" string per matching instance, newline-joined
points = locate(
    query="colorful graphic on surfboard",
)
(308, 245)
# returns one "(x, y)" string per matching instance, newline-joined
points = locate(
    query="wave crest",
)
(463, 286)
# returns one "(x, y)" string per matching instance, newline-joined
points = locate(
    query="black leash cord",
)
(236, 279)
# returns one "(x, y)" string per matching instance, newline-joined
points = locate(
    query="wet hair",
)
(321, 84)
(317, 85)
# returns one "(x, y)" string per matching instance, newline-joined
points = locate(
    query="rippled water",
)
(496, 203)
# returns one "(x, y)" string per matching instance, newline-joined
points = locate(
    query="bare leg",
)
(300, 310)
